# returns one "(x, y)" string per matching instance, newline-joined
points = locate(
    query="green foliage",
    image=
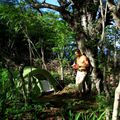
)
(12, 105)
(54, 35)
(102, 102)
(93, 115)
(19, 111)
(77, 116)
(6, 91)
(11, 102)
(4, 83)
(48, 32)
(55, 75)
(20, 22)
(3, 75)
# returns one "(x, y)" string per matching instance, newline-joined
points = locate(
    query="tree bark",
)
(92, 54)
(115, 10)
(116, 103)
(62, 71)
(43, 59)
(23, 83)
(60, 57)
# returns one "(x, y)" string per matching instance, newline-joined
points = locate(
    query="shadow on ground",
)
(59, 104)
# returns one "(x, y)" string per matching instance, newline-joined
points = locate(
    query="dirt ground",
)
(60, 103)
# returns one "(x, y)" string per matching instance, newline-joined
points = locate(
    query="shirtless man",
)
(82, 66)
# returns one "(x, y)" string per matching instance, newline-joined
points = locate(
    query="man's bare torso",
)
(83, 62)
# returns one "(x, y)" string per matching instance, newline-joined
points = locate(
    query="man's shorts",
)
(80, 76)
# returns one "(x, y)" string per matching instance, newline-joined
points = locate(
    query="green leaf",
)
(77, 116)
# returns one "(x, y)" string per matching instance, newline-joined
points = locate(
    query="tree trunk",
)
(23, 83)
(115, 53)
(60, 57)
(61, 71)
(116, 103)
(92, 54)
(43, 59)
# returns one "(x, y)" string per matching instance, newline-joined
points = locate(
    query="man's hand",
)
(75, 66)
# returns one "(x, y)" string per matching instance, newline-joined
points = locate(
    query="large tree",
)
(87, 18)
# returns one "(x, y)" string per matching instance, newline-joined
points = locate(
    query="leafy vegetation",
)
(35, 47)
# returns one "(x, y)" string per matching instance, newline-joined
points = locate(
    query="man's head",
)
(77, 53)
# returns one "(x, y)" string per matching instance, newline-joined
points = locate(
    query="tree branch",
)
(115, 10)
(116, 103)
(61, 9)
(45, 5)
(64, 3)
